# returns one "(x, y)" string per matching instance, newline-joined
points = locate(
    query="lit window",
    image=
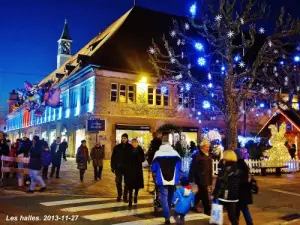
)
(187, 100)
(114, 92)
(150, 95)
(166, 97)
(158, 96)
(122, 94)
(73, 99)
(84, 99)
(131, 94)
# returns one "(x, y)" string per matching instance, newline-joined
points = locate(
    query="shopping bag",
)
(216, 216)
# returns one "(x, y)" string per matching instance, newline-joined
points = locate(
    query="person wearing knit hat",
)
(118, 164)
(201, 173)
(227, 185)
(245, 193)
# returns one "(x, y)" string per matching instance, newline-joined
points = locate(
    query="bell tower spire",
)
(64, 46)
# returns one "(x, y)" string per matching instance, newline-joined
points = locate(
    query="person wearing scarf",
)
(82, 158)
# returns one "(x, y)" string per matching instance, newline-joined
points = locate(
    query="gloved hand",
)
(112, 170)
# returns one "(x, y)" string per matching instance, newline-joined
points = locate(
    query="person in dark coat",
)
(4, 151)
(47, 158)
(58, 151)
(97, 156)
(118, 163)
(35, 165)
(201, 174)
(25, 146)
(154, 146)
(292, 151)
(227, 185)
(82, 159)
(134, 178)
(245, 194)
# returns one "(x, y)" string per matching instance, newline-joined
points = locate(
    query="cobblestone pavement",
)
(94, 201)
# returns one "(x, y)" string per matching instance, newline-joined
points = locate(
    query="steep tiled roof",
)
(123, 45)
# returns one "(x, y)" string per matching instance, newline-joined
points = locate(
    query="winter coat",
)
(13, 153)
(56, 156)
(154, 146)
(119, 157)
(25, 147)
(166, 165)
(201, 169)
(134, 170)
(183, 199)
(82, 158)
(97, 155)
(4, 149)
(47, 157)
(36, 156)
(245, 193)
(227, 185)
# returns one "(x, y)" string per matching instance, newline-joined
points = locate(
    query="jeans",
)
(97, 171)
(119, 177)
(166, 195)
(53, 169)
(246, 212)
(231, 211)
(20, 175)
(35, 177)
(202, 194)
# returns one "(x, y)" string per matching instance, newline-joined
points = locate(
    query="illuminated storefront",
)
(133, 131)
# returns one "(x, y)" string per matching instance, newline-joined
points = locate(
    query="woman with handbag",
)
(245, 193)
(82, 158)
(226, 190)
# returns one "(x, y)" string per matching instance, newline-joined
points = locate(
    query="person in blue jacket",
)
(165, 167)
(183, 200)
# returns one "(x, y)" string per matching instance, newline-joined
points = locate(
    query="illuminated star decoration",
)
(242, 21)
(178, 42)
(217, 61)
(242, 64)
(186, 26)
(209, 76)
(173, 60)
(270, 43)
(230, 34)
(261, 30)
(164, 89)
(263, 90)
(179, 108)
(275, 51)
(173, 33)
(193, 9)
(151, 50)
(188, 86)
(201, 61)
(210, 85)
(199, 46)
(218, 18)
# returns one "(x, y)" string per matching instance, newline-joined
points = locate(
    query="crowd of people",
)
(232, 187)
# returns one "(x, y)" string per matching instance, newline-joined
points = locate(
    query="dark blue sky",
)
(29, 30)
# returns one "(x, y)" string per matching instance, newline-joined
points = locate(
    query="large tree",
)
(227, 58)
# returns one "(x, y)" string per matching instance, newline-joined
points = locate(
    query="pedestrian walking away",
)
(97, 156)
(166, 167)
(118, 163)
(201, 173)
(82, 159)
(46, 159)
(58, 151)
(134, 179)
(245, 193)
(35, 165)
(226, 189)
(183, 200)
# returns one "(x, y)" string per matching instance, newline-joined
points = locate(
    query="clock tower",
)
(64, 46)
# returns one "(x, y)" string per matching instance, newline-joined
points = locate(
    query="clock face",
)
(65, 48)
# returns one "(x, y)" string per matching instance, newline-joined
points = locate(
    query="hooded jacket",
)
(166, 165)
(183, 199)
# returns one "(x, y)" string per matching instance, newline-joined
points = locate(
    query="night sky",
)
(29, 30)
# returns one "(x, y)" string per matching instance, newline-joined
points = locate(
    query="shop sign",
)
(189, 129)
(132, 127)
(95, 125)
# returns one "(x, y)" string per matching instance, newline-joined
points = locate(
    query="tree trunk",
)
(231, 131)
